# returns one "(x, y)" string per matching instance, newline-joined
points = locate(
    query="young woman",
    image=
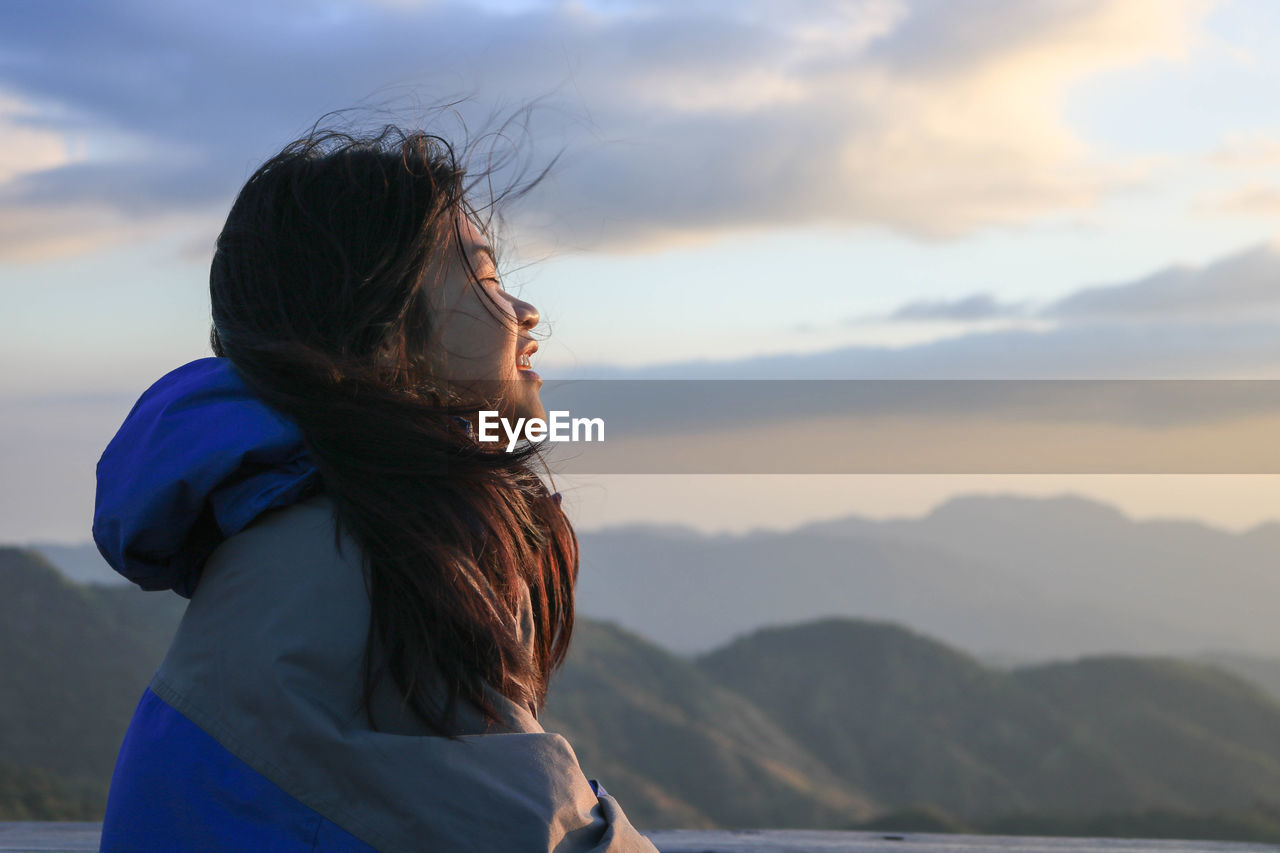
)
(377, 599)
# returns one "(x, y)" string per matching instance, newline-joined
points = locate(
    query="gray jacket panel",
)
(268, 661)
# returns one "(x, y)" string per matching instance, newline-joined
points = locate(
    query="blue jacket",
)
(250, 735)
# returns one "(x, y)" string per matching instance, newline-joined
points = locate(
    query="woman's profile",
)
(377, 600)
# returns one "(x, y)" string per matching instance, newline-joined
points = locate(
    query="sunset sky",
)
(905, 189)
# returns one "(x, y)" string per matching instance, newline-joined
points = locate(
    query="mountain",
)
(1010, 578)
(833, 723)
(680, 751)
(77, 659)
(677, 749)
(1200, 737)
(691, 593)
(81, 563)
(1189, 586)
(1262, 671)
(1005, 577)
(29, 793)
(910, 720)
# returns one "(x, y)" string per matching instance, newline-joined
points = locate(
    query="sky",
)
(852, 189)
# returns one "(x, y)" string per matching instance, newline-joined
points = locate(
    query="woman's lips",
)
(524, 362)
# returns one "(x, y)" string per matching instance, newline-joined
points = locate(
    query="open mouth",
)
(524, 361)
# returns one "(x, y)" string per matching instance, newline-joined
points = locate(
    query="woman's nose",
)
(526, 315)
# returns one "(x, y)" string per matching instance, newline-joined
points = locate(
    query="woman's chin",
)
(525, 397)
(533, 409)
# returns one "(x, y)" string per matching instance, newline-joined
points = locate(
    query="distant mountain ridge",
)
(81, 563)
(1011, 577)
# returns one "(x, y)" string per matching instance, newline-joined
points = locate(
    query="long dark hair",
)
(319, 300)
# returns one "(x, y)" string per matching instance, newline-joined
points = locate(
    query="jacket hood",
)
(198, 458)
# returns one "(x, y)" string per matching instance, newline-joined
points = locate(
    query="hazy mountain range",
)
(1003, 577)
(832, 723)
(1006, 578)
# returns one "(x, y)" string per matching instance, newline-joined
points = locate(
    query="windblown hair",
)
(320, 302)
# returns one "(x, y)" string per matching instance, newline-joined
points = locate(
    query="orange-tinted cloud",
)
(681, 121)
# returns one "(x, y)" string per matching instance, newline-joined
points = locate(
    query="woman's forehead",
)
(474, 244)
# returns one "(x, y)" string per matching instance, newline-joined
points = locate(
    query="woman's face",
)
(481, 332)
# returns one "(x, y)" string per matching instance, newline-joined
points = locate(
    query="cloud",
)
(1052, 37)
(1244, 285)
(1253, 201)
(681, 121)
(25, 149)
(977, 306)
(1254, 157)
(1219, 320)
(1119, 350)
(1238, 285)
(1250, 151)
